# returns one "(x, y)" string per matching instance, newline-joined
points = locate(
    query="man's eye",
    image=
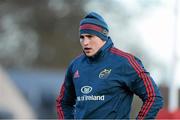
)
(89, 36)
(81, 37)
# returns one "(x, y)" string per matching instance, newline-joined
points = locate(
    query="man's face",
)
(91, 44)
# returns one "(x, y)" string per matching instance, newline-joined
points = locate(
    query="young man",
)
(101, 82)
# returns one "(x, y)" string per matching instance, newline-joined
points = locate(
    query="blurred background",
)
(38, 38)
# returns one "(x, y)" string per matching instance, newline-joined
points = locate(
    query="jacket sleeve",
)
(66, 100)
(143, 85)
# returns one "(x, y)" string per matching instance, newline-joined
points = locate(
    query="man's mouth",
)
(87, 50)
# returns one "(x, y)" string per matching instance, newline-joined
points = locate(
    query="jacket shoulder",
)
(128, 59)
(125, 58)
(121, 54)
(76, 60)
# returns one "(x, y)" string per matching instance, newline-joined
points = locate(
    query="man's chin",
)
(89, 54)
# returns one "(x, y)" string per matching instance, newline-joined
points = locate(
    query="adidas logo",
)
(76, 74)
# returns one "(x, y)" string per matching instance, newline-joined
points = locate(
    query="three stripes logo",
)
(76, 74)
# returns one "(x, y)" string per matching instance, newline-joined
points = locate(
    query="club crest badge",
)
(104, 74)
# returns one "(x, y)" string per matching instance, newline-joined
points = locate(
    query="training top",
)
(102, 87)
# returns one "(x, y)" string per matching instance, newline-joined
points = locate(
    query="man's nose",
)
(86, 41)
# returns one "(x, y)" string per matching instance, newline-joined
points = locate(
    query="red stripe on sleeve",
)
(58, 103)
(147, 82)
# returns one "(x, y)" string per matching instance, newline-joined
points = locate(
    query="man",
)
(101, 82)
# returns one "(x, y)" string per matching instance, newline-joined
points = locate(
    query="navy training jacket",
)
(102, 86)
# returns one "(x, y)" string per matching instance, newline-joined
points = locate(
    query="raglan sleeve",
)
(143, 85)
(66, 100)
